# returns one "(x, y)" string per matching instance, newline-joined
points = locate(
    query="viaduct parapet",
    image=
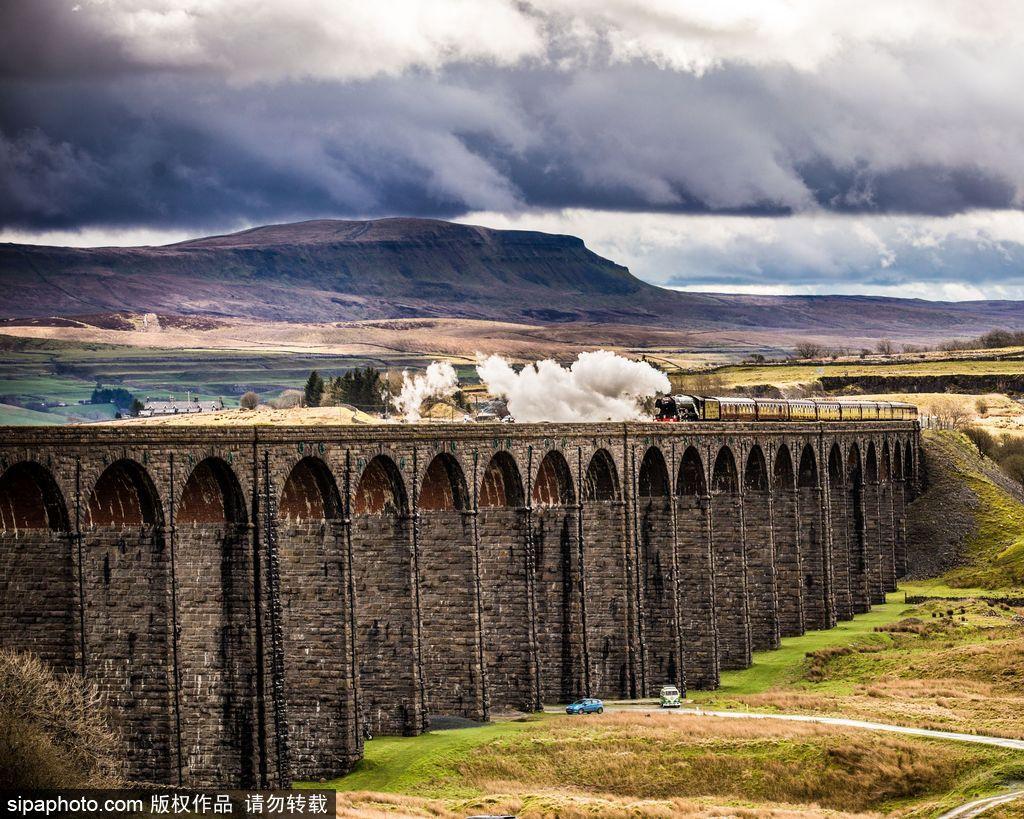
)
(251, 600)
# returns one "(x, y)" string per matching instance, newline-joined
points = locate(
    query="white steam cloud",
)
(439, 381)
(598, 386)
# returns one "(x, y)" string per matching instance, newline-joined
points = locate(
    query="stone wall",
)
(252, 601)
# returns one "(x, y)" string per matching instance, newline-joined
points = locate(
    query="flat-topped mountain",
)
(334, 270)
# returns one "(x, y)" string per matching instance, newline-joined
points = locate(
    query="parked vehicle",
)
(585, 706)
(670, 697)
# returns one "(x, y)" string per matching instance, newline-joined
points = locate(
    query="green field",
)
(36, 371)
(786, 665)
(786, 374)
(629, 763)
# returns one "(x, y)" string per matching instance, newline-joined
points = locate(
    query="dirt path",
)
(980, 806)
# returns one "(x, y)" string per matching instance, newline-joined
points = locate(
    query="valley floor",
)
(950, 666)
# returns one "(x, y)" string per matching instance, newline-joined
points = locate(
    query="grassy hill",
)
(331, 270)
(914, 665)
(967, 527)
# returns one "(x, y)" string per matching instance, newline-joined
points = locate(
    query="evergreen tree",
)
(314, 390)
(362, 388)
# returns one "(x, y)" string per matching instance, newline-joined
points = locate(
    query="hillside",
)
(968, 524)
(332, 270)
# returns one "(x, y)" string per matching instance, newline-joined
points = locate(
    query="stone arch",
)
(559, 637)
(382, 565)
(124, 495)
(839, 505)
(128, 617)
(502, 484)
(607, 632)
(553, 486)
(784, 475)
(31, 499)
(449, 639)
(216, 654)
(899, 500)
(873, 534)
(602, 479)
(759, 544)
(808, 476)
(854, 467)
(662, 663)
(871, 464)
(854, 482)
(908, 461)
(443, 485)
(316, 622)
(724, 477)
(37, 596)
(505, 608)
(886, 518)
(755, 473)
(836, 472)
(212, 494)
(380, 489)
(696, 588)
(730, 561)
(310, 492)
(691, 474)
(819, 610)
(786, 529)
(652, 478)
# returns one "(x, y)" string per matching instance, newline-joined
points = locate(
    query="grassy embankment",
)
(672, 764)
(785, 375)
(977, 510)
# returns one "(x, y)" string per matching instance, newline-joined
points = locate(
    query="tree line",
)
(365, 388)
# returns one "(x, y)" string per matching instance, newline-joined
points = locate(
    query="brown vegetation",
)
(53, 730)
(564, 804)
(952, 666)
(673, 756)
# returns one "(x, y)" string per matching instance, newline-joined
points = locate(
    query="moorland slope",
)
(334, 270)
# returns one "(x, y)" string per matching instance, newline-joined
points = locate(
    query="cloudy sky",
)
(808, 146)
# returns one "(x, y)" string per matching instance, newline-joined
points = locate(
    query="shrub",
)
(289, 399)
(808, 349)
(983, 440)
(1014, 467)
(950, 413)
(250, 401)
(53, 729)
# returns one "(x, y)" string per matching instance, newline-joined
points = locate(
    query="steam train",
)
(671, 408)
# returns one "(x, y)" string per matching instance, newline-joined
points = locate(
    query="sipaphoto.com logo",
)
(61, 805)
(298, 803)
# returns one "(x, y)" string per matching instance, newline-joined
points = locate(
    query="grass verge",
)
(968, 526)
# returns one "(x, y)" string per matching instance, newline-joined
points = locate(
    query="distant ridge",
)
(336, 270)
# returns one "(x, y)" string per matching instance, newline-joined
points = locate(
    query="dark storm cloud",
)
(92, 134)
(44, 39)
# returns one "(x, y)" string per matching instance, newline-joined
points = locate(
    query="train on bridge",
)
(671, 408)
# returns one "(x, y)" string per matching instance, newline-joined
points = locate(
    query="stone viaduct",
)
(251, 599)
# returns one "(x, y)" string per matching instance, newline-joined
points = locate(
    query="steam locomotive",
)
(671, 408)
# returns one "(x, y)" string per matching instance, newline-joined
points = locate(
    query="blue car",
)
(587, 706)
